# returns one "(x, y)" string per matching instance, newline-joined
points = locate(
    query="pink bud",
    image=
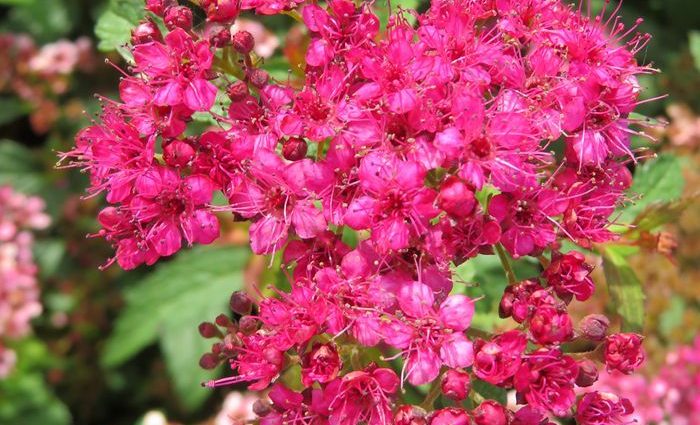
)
(145, 32)
(209, 361)
(243, 42)
(237, 91)
(410, 415)
(294, 149)
(158, 6)
(258, 78)
(456, 198)
(178, 17)
(456, 384)
(587, 373)
(490, 413)
(241, 303)
(208, 330)
(220, 37)
(594, 327)
(450, 416)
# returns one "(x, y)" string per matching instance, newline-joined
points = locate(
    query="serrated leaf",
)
(490, 392)
(168, 305)
(657, 214)
(625, 288)
(114, 26)
(659, 180)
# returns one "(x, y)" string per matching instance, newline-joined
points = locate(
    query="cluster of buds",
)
(19, 292)
(38, 75)
(434, 143)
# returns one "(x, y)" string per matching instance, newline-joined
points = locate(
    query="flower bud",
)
(624, 352)
(450, 416)
(294, 149)
(456, 384)
(220, 37)
(178, 17)
(178, 154)
(209, 361)
(146, 32)
(248, 324)
(261, 408)
(594, 327)
(209, 330)
(456, 198)
(158, 7)
(241, 303)
(237, 91)
(223, 321)
(490, 413)
(258, 78)
(321, 364)
(243, 42)
(587, 373)
(410, 415)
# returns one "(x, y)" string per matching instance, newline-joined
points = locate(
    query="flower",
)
(623, 352)
(546, 380)
(603, 408)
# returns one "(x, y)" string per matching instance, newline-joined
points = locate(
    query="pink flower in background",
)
(19, 291)
(236, 407)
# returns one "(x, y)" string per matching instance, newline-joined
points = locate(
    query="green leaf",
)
(657, 214)
(114, 26)
(19, 167)
(46, 20)
(16, 2)
(49, 254)
(625, 288)
(694, 40)
(11, 108)
(672, 317)
(490, 392)
(168, 305)
(659, 180)
(25, 398)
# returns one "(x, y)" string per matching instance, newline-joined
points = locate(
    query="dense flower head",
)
(19, 291)
(476, 127)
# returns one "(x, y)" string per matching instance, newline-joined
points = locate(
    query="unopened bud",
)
(587, 373)
(220, 37)
(248, 324)
(294, 149)
(209, 330)
(243, 42)
(223, 320)
(594, 327)
(456, 198)
(490, 413)
(258, 78)
(237, 91)
(456, 384)
(410, 415)
(178, 17)
(262, 408)
(208, 361)
(158, 7)
(241, 303)
(145, 32)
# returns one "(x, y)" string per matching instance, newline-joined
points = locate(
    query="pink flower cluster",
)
(38, 75)
(669, 397)
(19, 293)
(490, 124)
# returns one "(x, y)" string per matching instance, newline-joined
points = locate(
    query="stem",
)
(510, 274)
(433, 394)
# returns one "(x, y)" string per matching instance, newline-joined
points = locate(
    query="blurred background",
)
(85, 346)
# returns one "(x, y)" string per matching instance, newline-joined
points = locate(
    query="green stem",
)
(510, 274)
(433, 394)
(294, 14)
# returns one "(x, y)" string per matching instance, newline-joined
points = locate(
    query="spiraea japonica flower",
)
(484, 127)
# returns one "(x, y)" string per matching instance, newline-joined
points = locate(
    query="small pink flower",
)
(598, 408)
(624, 352)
